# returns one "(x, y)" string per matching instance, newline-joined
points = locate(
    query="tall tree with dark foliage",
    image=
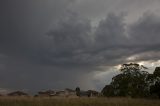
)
(131, 82)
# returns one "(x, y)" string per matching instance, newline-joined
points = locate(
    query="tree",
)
(155, 87)
(78, 91)
(131, 82)
(108, 91)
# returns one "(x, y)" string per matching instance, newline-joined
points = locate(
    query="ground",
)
(39, 101)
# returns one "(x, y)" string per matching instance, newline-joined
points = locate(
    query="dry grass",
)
(30, 101)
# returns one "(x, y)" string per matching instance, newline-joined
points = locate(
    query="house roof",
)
(17, 93)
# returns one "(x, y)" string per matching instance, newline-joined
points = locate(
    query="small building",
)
(47, 93)
(70, 92)
(61, 93)
(17, 93)
(93, 93)
(89, 93)
(84, 94)
(57, 93)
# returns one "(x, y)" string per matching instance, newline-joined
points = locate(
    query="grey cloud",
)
(72, 41)
(144, 37)
(97, 10)
(111, 31)
(146, 31)
(23, 22)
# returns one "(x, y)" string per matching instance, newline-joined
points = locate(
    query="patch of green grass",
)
(30, 101)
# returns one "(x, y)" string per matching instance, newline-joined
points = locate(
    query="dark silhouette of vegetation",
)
(133, 81)
(155, 82)
(78, 91)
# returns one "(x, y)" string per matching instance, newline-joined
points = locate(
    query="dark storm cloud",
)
(74, 42)
(68, 38)
(108, 44)
(44, 44)
(23, 22)
(144, 35)
(146, 30)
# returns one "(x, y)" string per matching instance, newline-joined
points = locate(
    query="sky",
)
(58, 44)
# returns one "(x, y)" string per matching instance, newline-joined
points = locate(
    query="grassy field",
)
(30, 101)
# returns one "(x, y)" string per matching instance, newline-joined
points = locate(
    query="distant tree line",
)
(134, 82)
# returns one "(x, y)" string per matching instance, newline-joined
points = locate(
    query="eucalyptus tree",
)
(130, 82)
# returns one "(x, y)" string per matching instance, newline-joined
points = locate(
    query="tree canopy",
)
(133, 81)
(155, 87)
